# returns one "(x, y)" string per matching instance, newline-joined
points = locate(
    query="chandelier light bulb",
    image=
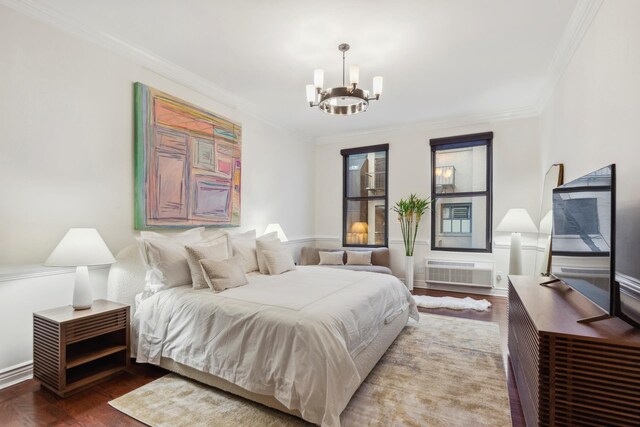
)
(377, 85)
(354, 74)
(311, 93)
(318, 78)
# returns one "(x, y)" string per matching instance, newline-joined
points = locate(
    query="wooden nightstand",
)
(73, 350)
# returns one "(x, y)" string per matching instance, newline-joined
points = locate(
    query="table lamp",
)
(276, 227)
(516, 221)
(361, 230)
(80, 248)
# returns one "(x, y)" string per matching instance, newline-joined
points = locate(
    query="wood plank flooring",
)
(27, 404)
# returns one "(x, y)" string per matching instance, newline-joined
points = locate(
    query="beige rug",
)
(443, 371)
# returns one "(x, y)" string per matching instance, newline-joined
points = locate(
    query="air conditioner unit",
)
(461, 273)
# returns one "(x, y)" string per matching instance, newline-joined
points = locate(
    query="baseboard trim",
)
(16, 374)
(497, 292)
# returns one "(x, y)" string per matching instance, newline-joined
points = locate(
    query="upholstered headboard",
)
(126, 277)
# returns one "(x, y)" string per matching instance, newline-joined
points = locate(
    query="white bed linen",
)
(292, 336)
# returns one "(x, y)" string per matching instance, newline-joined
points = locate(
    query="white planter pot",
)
(408, 272)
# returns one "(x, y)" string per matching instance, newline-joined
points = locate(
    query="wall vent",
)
(461, 273)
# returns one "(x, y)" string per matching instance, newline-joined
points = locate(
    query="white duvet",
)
(292, 336)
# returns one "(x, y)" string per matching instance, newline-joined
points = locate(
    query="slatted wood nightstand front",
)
(73, 350)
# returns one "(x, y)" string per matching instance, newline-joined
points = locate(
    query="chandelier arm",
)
(342, 68)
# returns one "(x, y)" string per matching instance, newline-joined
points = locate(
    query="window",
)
(365, 212)
(461, 208)
(456, 218)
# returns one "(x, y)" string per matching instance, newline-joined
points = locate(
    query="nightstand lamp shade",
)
(516, 221)
(80, 248)
(276, 227)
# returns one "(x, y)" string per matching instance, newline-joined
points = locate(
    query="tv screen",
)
(582, 236)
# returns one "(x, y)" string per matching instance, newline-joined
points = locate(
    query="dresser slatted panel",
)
(46, 352)
(589, 382)
(523, 348)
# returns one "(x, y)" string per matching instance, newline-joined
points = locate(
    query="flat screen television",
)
(583, 237)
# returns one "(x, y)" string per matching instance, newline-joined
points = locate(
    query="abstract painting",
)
(187, 164)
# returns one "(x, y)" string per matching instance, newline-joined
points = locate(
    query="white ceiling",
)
(440, 59)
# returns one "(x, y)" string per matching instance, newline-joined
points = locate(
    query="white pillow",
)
(267, 243)
(278, 261)
(188, 237)
(215, 249)
(168, 263)
(225, 274)
(358, 257)
(166, 257)
(331, 258)
(244, 244)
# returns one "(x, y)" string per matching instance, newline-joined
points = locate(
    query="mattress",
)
(297, 337)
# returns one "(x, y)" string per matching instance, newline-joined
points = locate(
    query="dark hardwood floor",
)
(27, 404)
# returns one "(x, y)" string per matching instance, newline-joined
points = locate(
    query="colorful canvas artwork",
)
(187, 164)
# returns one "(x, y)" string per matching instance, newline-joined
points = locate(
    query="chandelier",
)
(342, 100)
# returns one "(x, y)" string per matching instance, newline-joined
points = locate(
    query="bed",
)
(301, 342)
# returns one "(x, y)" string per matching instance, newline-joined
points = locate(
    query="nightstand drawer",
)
(96, 325)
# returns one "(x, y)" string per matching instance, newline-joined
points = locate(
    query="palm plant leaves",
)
(410, 212)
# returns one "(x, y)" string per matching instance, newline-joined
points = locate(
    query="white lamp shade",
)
(318, 78)
(517, 220)
(276, 227)
(311, 93)
(80, 247)
(377, 85)
(354, 74)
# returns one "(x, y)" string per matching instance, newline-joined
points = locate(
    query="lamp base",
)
(515, 255)
(82, 298)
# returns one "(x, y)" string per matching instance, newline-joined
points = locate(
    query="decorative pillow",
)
(188, 237)
(167, 260)
(331, 258)
(278, 261)
(358, 257)
(225, 274)
(244, 244)
(266, 243)
(215, 250)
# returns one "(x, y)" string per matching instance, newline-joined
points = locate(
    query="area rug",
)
(452, 303)
(443, 371)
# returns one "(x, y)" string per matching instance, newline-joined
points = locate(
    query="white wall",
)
(516, 184)
(66, 160)
(592, 118)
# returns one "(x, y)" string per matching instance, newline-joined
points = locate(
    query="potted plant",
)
(410, 212)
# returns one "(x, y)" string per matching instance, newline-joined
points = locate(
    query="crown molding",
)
(580, 21)
(431, 125)
(148, 61)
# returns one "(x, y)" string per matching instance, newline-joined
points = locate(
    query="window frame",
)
(346, 199)
(464, 141)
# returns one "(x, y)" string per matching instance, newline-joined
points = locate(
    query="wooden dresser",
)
(568, 373)
(73, 350)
